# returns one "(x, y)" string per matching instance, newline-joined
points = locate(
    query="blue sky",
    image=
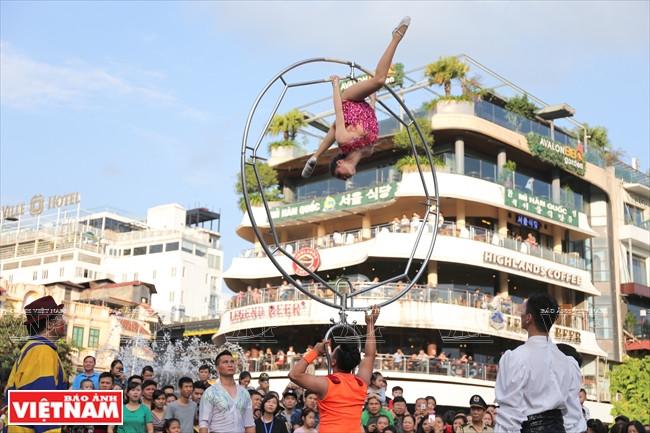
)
(137, 104)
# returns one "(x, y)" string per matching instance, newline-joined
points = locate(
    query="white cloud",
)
(29, 85)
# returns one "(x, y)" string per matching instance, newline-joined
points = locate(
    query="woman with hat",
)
(38, 366)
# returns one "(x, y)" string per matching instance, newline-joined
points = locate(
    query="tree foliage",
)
(631, 380)
(287, 124)
(402, 140)
(13, 336)
(268, 181)
(444, 70)
(598, 138)
(522, 106)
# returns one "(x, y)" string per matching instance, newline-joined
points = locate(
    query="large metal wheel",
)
(250, 156)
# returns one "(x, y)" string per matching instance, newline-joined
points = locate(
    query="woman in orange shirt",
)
(341, 394)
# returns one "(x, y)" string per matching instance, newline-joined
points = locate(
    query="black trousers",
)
(550, 421)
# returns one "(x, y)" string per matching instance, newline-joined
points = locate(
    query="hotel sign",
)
(539, 206)
(531, 268)
(361, 197)
(558, 154)
(38, 204)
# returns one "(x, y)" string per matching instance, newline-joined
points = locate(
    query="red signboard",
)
(65, 407)
(309, 258)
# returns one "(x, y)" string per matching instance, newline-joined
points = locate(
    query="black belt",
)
(550, 421)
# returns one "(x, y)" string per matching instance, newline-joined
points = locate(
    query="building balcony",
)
(638, 236)
(445, 307)
(473, 246)
(635, 289)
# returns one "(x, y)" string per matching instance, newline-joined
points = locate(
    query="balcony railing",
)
(478, 234)
(442, 294)
(419, 364)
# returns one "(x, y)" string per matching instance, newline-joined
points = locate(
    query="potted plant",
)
(507, 174)
(442, 72)
(519, 108)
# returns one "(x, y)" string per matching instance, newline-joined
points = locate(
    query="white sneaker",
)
(309, 167)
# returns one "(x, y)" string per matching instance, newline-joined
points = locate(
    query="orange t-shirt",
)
(340, 410)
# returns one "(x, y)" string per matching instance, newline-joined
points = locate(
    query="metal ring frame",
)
(250, 157)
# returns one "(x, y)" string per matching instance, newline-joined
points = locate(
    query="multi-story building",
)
(502, 180)
(101, 315)
(173, 249)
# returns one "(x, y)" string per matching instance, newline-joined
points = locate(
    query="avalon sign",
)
(361, 197)
(540, 206)
(557, 153)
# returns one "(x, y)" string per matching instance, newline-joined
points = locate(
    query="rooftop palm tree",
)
(287, 124)
(444, 70)
(598, 138)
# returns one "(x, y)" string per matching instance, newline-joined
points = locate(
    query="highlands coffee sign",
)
(38, 204)
(531, 268)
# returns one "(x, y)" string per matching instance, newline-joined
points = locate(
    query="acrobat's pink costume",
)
(359, 113)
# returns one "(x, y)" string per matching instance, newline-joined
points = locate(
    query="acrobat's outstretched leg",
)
(361, 90)
(327, 142)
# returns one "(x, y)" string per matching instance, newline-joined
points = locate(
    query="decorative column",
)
(555, 186)
(460, 155)
(432, 275)
(365, 227)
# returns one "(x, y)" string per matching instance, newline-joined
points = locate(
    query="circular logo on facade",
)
(329, 204)
(36, 205)
(309, 258)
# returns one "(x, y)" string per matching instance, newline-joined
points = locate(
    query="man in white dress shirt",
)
(537, 385)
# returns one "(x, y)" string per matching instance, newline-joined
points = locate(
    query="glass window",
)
(200, 250)
(640, 273)
(153, 249)
(188, 247)
(126, 252)
(93, 337)
(633, 215)
(171, 246)
(173, 271)
(214, 262)
(78, 336)
(600, 259)
(139, 251)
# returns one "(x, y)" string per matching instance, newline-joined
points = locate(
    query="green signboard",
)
(539, 206)
(347, 200)
(395, 77)
(557, 154)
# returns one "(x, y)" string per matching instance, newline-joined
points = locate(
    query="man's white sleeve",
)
(509, 391)
(572, 412)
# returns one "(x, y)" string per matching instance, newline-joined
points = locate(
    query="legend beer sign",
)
(38, 204)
